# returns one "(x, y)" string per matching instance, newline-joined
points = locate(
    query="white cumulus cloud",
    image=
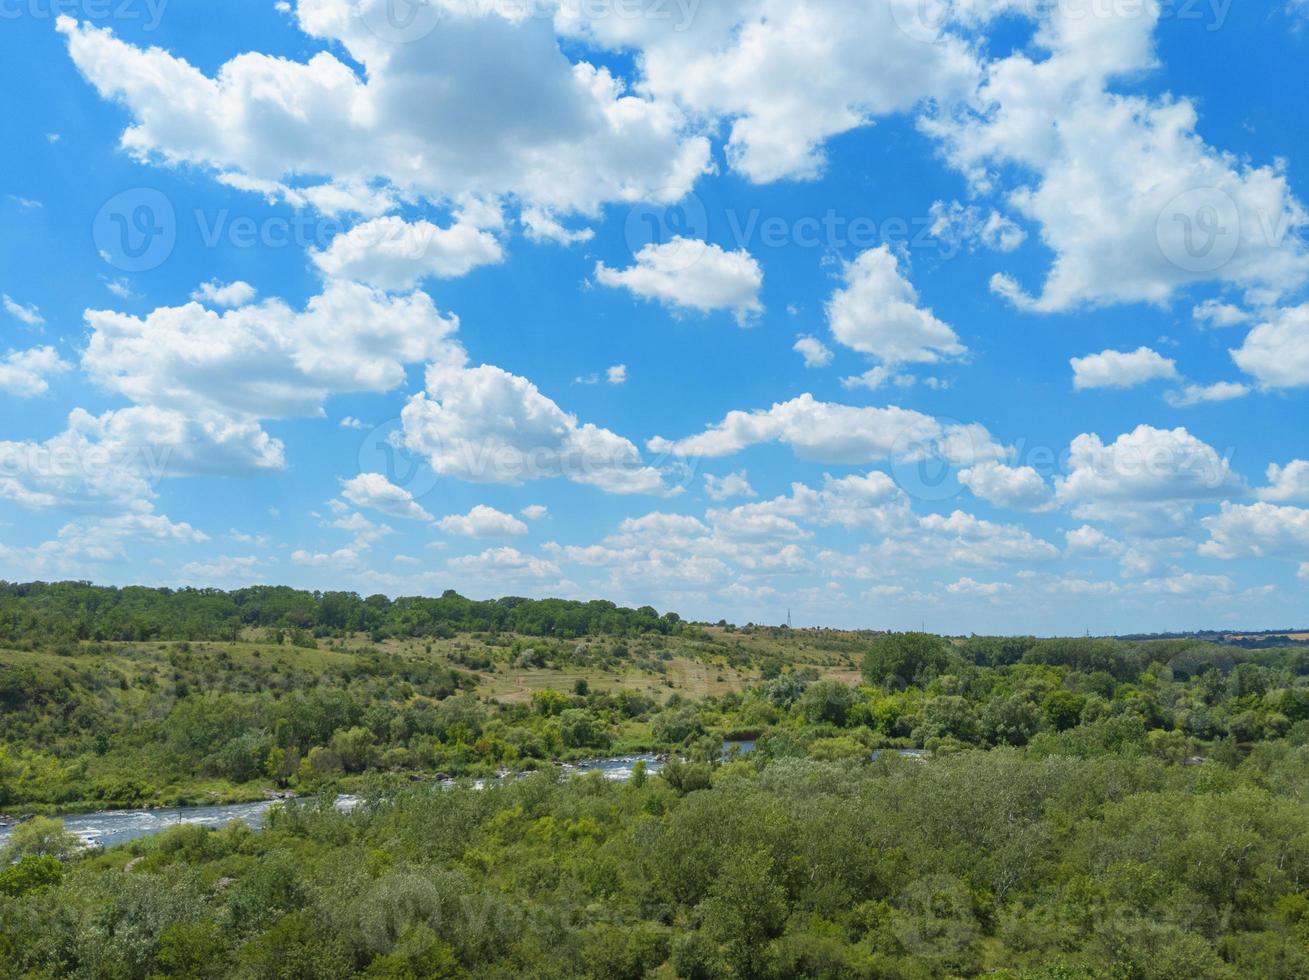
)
(483, 522)
(394, 254)
(816, 354)
(485, 425)
(1276, 352)
(877, 313)
(1287, 483)
(27, 373)
(217, 293)
(1120, 369)
(691, 275)
(1012, 487)
(374, 491)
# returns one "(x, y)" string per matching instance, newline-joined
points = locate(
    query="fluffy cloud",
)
(1277, 351)
(616, 375)
(692, 275)
(1120, 369)
(1013, 487)
(24, 313)
(203, 380)
(877, 313)
(366, 533)
(815, 353)
(1116, 238)
(1147, 465)
(481, 101)
(1221, 391)
(80, 545)
(267, 360)
(871, 501)
(342, 558)
(959, 538)
(969, 226)
(1190, 584)
(392, 253)
(981, 590)
(26, 373)
(229, 571)
(1287, 483)
(485, 425)
(1092, 542)
(1259, 530)
(375, 492)
(826, 432)
(789, 74)
(1214, 313)
(504, 564)
(115, 460)
(727, 487)
(483, 522)
(541, 226)
(216, 293)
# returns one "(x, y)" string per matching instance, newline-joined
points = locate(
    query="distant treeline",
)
(73, 611)
(1252, 640)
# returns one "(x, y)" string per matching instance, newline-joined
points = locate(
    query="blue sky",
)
(984, 314)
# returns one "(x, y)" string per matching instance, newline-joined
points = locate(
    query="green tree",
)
(827, 703)
(900, 659)
(40, 837)
(745, 908)
(31, 873)
(580, 729)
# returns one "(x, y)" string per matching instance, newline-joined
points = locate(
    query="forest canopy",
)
(67, 611)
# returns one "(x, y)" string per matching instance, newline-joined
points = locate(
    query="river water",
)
(108, 827)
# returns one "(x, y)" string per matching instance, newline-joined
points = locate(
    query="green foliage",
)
(827, 703)
(900, 659)
(30, 873)
(72, 611)
(40, 837)
(1072, 809)
(1001, 862)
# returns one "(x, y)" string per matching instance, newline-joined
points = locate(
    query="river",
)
(106, 828)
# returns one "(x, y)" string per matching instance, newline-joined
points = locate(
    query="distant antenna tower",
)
(788, 619)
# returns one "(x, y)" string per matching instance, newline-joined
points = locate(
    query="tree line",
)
(40, 612)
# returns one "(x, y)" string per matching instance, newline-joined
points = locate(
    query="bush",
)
(29, 874)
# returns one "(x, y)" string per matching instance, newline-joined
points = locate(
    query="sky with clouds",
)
(988, 315)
